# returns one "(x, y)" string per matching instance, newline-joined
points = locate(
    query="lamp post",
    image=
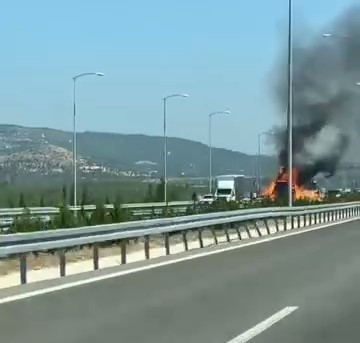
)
(210, 145)
(165, 140)
(74, 130)
(290, 107)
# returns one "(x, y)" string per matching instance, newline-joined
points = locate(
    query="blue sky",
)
(219, 51)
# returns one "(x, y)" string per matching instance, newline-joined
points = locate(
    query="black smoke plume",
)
(326, 99)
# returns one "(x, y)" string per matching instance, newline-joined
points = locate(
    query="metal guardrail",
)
(20, 245)
(10, 212)
(71, 233)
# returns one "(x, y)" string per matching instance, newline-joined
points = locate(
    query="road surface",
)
(212, 299)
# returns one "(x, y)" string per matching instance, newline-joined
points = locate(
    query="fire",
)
(280, 186)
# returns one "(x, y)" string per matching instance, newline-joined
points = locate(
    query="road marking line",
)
(264, 325)
(164, 263)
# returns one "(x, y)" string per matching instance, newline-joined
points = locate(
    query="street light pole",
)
(74, 146)
(74, 132)
(290, 109)
(165, 141)
(210, 146)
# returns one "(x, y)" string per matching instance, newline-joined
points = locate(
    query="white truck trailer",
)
(229, 187)
(235, 187)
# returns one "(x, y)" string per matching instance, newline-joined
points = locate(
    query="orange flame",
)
(299, 192)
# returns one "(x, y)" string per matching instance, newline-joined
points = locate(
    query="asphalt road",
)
(210, 299)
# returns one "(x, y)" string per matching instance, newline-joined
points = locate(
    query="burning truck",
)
(326, 104)
(279, 188)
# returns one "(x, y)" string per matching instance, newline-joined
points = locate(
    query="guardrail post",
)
(147, 247)
(291, 222)
(257, 228)
(62, 263)
(267, 226)
(96, 256)
(201, 243)
(276, 224)
(185, 241)
(123, 244)
(298, 218)
(238, 231)
(23, 269)
(285, 223)
(247, 229)
(167, 244)
(227, 234)
(214, 235)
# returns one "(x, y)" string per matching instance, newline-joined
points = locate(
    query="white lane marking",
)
(264, 325)
(161, 264)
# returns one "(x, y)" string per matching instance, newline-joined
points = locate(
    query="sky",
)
(220, 52)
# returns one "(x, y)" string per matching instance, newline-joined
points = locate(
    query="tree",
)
(10, 202)
(159, 194)
(84, 196)
(64, 195)
(72, 194)
(99, 215)
(22, 203)
(149, 196)
(42, 201)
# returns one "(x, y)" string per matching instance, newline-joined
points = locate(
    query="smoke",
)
(326, 100)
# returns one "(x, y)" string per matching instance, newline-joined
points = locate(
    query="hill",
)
(48, 152)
